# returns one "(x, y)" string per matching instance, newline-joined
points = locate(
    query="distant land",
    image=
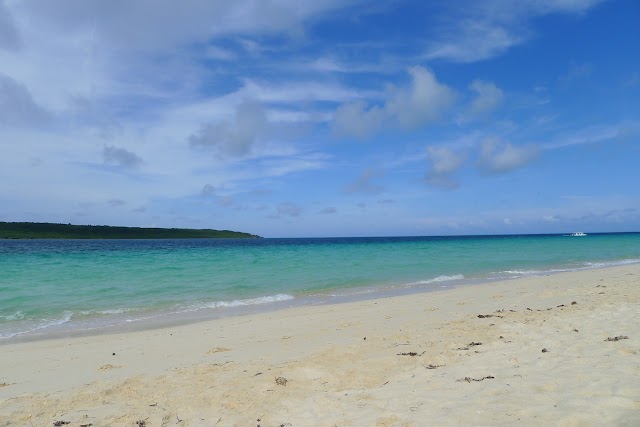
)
(44, 230)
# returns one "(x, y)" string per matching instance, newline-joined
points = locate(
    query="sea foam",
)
(442, 278)
(250, 301)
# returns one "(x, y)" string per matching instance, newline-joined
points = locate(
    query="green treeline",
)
(43, 230)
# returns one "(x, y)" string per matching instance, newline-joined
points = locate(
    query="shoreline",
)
(354, 363)
(167, 319)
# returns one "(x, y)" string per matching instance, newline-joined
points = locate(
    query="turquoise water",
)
(49, 287)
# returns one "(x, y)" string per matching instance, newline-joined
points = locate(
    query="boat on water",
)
(578, 234)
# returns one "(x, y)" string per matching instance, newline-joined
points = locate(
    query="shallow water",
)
(54, 286)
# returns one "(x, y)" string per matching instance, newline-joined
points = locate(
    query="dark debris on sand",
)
(430, 366)
(411, 353)
(469, 379)
(618, 338)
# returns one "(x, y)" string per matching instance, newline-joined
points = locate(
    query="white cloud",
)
(358, 120)
(109, 54)
(497, 156)
(237, 137)
(208, 190)
(492, 156)
(17, 106)
(488, 98)
(421, 102)
(120, 157)
(444, 162)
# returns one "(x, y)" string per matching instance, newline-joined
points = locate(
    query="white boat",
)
(578, 234)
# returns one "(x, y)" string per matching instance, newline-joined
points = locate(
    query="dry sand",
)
(416, 360)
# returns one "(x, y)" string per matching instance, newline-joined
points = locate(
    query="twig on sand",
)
(411, 353)
(618, 338)
(430, 366)
(469, 379)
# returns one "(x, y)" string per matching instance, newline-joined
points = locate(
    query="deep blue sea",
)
(67, 287)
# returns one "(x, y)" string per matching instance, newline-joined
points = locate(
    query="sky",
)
(295, 118)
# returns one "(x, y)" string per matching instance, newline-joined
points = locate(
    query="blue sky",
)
(329, 118)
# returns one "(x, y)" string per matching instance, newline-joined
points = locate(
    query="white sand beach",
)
(562, 350)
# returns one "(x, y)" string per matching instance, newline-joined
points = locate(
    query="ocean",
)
(52, 288)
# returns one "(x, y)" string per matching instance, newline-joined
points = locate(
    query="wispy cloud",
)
(474, 39)
(366, 183)
(596, 134)
(327, 211)
(280, 166)
(172, 24)
(288, 209)
(475, 31)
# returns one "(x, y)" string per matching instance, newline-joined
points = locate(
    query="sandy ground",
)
(545, 353)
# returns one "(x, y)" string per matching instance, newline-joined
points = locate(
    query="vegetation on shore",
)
(43, 230)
